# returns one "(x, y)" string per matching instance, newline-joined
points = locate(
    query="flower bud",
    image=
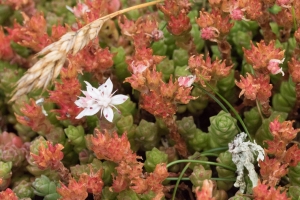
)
(153, 158)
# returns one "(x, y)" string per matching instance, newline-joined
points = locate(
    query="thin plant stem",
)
(188, 179)
(294, 18)
(179, 178)
(202, 162)
(210, 154)
(215, 150)
(258, 109)
(231, 108)
(218, 102)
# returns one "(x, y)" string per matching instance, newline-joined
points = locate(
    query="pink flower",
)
(284, 3)
(186, 81)
(237, 14)
(79, 10)
(99, 99)
(113, 6)
(274, 68)
(206, 191)
(139, 67)
(209, 33)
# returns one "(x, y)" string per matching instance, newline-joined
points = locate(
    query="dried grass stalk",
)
(55, 54)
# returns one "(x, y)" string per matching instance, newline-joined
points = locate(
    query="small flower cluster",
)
(35, 118)
(265, 58)
(213, 26)
(65, 93)
(272, 169)
(129, 170)
(206, 70)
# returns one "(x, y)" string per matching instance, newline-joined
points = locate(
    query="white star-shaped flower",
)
(99, 99)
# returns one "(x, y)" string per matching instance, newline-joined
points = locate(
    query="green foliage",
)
(284, 101)
(147, 134)
(225, 158)
(199, 175)
(294, 175)
(252, 120)
(46, 188)
(153, 158)
(222, 129)
(196, 139)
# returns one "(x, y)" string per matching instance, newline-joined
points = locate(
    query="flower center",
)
(104, 101)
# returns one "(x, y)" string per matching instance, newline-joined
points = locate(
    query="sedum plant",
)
(163, 99)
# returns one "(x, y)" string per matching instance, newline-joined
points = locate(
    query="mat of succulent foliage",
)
(165, 99)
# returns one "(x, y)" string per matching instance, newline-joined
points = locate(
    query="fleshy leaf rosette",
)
(46, 188)
(222, 130)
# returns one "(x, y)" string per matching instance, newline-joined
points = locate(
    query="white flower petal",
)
(89, 88)
(81, 114)
(118, 99)
(108, 114)
(91, 91)
(79, 102)
(95, 94)
(106, 87)
(92, 110)
(89, 111)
